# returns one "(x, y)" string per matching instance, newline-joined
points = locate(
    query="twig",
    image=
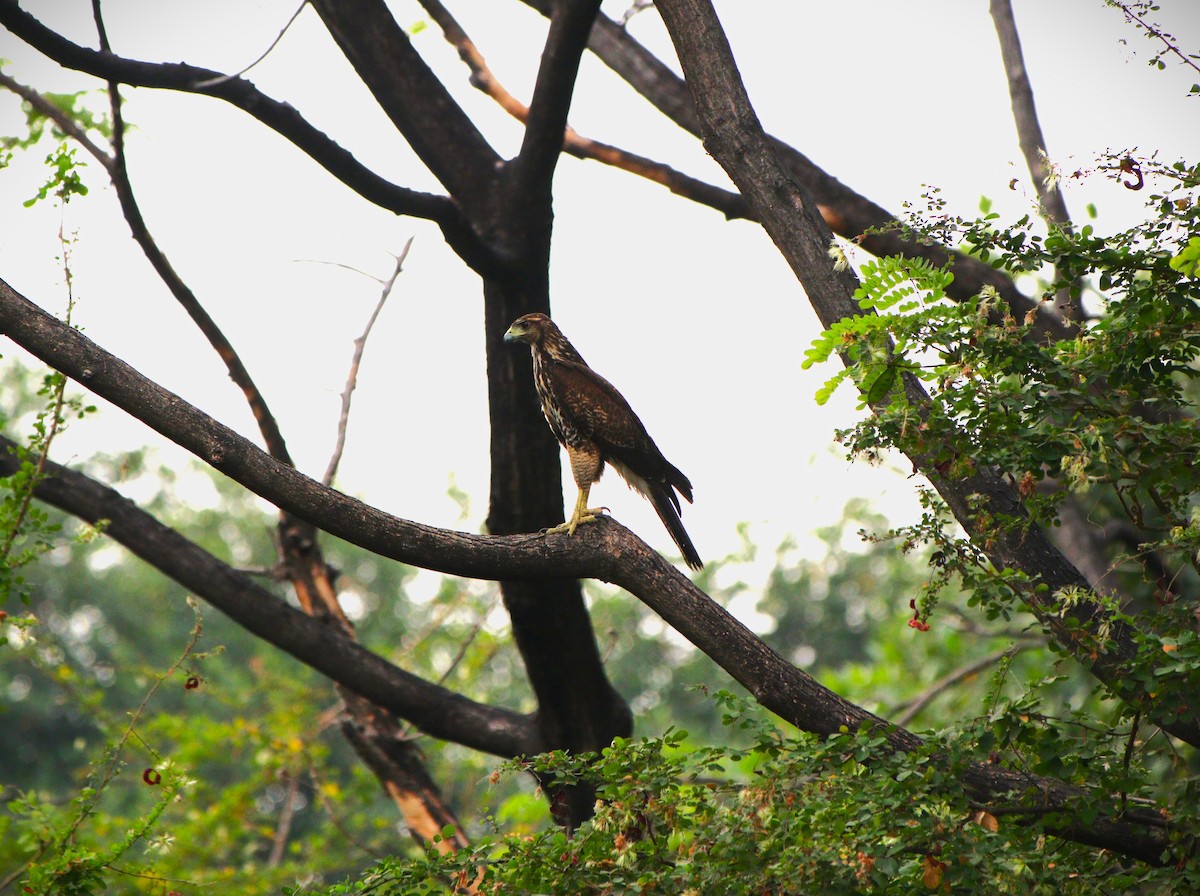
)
(56, 407)
(134, 717)
(942, 685)
(1133, 730)
(338, 824)
(352, 378)
(212, 82)
(286, 815)
(61, 120)
(461, 654)
(1154, 31)
(638, 6)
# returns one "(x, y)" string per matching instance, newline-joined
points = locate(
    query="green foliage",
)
(1101, 424)
(873, 347)
(69, 855)
(1187, 259)
(26, 531)
(1108, 410)
(64, 180)
(787, 813)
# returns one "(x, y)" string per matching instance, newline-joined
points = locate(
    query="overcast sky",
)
(697, 320)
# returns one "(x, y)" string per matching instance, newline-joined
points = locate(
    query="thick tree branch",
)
(736, 140)
(603, 550)
(410, 94)
(578, 709)
(432, 708)
(280, 117)
(533, 168)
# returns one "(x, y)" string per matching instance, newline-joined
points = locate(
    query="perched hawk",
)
(596, 425)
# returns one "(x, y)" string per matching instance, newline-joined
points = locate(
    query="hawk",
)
(596, 425)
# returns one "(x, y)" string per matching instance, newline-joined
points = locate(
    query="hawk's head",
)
(530, 329)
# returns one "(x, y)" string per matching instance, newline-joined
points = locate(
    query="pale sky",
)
(696, 320)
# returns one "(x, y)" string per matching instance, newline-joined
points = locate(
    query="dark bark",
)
(443, 137)
(432, 708)
(577, 706)
(603, 550)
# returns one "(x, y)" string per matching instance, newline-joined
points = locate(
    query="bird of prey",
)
(596, 425)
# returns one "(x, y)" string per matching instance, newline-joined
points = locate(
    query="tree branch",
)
(848, 213)
(603, 550)
(63, 122)
(1029, 135)
(360, 345)
(280, 117)
(913, 707)
(533, 168)
(575, 144)
(735, 138)
(118, 173)
(432, 708)
(410, 94)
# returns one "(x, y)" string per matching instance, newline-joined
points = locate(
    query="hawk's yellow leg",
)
(582, 513)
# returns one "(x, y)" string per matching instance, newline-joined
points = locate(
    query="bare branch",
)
(847, 213)
(484, 79)
(287, 812)
(913, 708)
(119, 173)
(360, 345)
(411, 95)
(570, 24)
(280, 117)
(265, 53)
(1029, 129)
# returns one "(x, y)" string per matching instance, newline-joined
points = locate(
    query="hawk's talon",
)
(585, 516)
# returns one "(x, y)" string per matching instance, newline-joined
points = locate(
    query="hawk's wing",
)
(592, 405)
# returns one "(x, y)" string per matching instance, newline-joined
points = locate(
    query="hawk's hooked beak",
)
(513, 334)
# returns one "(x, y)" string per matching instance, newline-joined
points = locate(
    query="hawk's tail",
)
(665, 502)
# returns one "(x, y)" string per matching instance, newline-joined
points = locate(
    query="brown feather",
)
(589, 417)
